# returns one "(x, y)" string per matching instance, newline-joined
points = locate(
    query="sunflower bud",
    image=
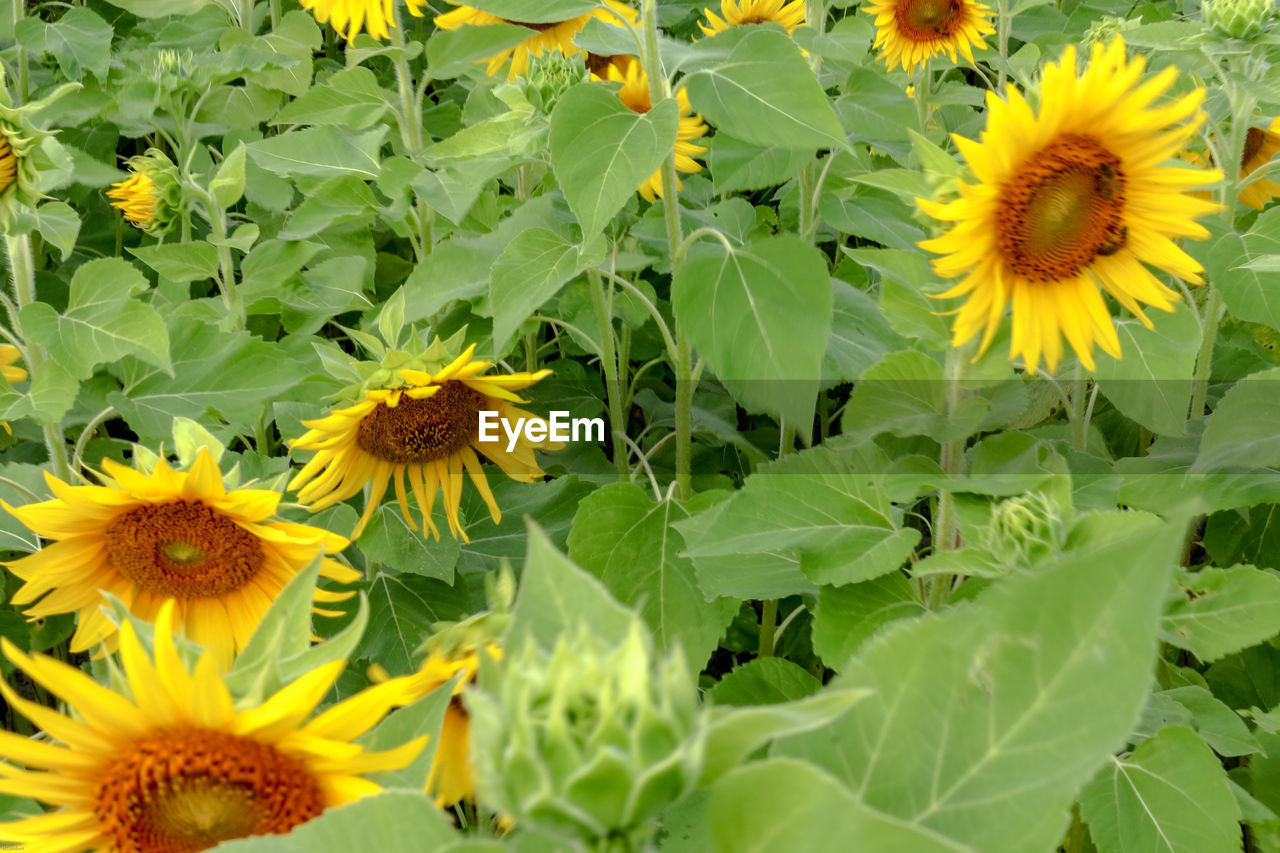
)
(31, 160)
(589, 742)
(1025, 529)
(1238, 18)
(1103, 30)
(150, 196)
(550, 77)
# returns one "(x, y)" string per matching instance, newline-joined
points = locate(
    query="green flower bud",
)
(32, 162)
(150, 197)
(1106, 28)
(550, 76)
(1025, 529)
(1238, 18)
(591, 741)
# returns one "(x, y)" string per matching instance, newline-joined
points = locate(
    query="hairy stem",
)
(602, 302)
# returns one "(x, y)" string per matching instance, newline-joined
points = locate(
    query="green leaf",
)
(1240, 432)
(59, 224)
(350, 98)
(424, 717)
(450, 53)
(627, 540)
(160, 8)
(390, 822)
(1220, 611)
(103, 322)
(1220, 726)
(787, 805)
(764, 93)
(905, 394)
(738, 165)
(79, 41)
(1152, 382)
(403, 609)
(765, 681)
(556, 596)
(1249, 292)
(452, 271)
(860, 336)
(988, 718)
(818, 504)
(545, 11)
(1170, 795)
(284, 631)
(180, 262)
(389, 540)
(847, 616)
(320, 151)
(602, 150)
(532, 269)
(761, 317)
(227, 185)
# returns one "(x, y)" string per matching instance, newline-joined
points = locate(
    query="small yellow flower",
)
(547, 36)
(348, 17)
(176, 766)
(737, 13)
(635, 94)
(135, 197)
(8, 355)
(912, 31)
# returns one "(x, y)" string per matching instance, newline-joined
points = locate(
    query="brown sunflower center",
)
(926, 20)
(183, 549)
(542, 28)
(186, 791)
(417, 431)
(1062, 209)
(1253, 140)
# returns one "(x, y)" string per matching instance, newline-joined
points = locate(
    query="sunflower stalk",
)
(1076, 411)
(683, 367)
(602, 302)
(226, 267)
(410, 117)
(22, 268)
(945, 529)
(1002, 43)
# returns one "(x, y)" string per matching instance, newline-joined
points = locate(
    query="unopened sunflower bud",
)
(1103, 30)
(1025, 529)
(31, 160)
(1240, 19)
(550, 76)
(150, 196)
(589, 742)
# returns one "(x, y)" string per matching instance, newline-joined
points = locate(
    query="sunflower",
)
(547, 36)
(8, 355)
(426, 429)
(349, 16)
(737, 13)
(169, 536)
(1259, 147)
(912, 31)
(176, 767)
(135, 197)
(635, 94)
(8, 164)
(1069, 199)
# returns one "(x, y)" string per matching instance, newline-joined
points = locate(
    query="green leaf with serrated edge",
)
(626, 540)
(764, 681)
(847, 616)
(102, 323)
(820, 504)
(764, 92)
(762, 574)
(227, 185)
(1249, 293)
(959, 739)
(555, 596)
(738, 165)
(1170, 794)
(739, 309)
(283, 631)
(396, 821)
(451, 53)
(350, 98)
(532, 269)
(391, 541)
(782, 804)
(181, 262)
(424, 717)
(1151, 383)
(602, 150)
(552, 504)
(320, 151)
(905, 394)
(545, 11)
(79, 41)
(860, 337)
(404, 608)
(1219, 611)
(59, 224)
(452, 271)
(1160, 480)
(1221, 727)
(1240, 432)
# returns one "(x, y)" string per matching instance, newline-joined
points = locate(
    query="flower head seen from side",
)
(912, 31)
(738, 13)
(349, 17)
(427, 431)
(634, 92)
(545, 35)
(8, 164)
(1260, 145)
(1070, 198)
(176, 766)
(9, 356)
(149, 197)
(170, 536)
(135, 197)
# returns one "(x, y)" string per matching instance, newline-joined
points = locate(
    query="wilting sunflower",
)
(428, 429)
(8, 164)
(176, 767)
(912, 31)
(1259, 147)
(737, 13)
(635, 94)
(547, 36)
(348, 17)
(8, 355)
(171, 536)
(1069, 199)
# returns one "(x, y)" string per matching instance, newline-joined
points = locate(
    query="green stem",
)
(22, 268)
(276, 14)
(226, 268)
(950, 459)
(246, 16)
(1204, 358)
(768, 626)
(1076, 415)
(410, 118)
(24, 82)
(601, 301)
(658, 89)
(1002, 42)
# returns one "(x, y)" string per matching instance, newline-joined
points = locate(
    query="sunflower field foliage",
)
(611, 426)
